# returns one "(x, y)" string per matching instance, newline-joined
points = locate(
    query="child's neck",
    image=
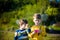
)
(20, 28)
(37, 25)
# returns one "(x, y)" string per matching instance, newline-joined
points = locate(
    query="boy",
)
(22, 32)
(37, 31)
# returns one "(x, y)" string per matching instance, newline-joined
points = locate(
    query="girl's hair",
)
(38, 16)
(24, 21)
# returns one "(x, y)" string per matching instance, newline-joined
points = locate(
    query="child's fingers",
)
(33, 32)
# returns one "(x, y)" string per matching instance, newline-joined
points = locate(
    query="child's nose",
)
(37, 21)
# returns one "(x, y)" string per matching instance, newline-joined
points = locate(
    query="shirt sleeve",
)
(16, 35)
(43, 33)
(28, 30)
(30, 33)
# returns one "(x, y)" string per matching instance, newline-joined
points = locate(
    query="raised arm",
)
(16, 36)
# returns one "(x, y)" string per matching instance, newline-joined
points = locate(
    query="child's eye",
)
(36, 20)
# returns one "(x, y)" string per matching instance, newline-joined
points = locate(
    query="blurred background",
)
(12, 10)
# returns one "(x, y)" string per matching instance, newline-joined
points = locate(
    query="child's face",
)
(22, 25)
(36, 21)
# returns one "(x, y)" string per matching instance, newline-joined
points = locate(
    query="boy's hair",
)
(38, 16)
(24, 21)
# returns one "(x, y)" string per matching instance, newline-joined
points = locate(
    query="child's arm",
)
(16, 36)
(43, 31)
(29, 31)
(31, 34)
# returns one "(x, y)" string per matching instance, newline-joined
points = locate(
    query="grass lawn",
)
(10, 36)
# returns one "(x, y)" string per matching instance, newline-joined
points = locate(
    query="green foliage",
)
(54, 27)
(26, 11)
(52, 11)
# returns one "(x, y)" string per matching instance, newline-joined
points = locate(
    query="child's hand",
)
(37, 31)
(33, 32)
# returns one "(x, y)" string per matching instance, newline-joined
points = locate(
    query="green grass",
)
(7, 36)
(10, 36)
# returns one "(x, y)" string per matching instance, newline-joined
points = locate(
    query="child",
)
(22, 32)
(37, 31)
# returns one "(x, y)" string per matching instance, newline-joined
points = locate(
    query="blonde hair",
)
(37, 16)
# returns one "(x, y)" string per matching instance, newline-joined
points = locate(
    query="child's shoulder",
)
(42, 26)
(17, 30)
(33, 26)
